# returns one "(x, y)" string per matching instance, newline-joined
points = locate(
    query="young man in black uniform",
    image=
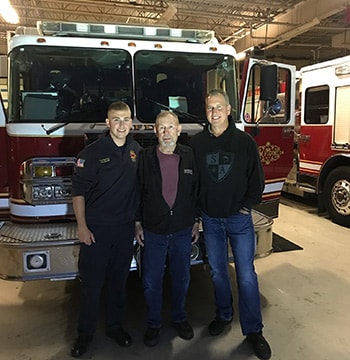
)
(105, 198)
(231, 182)
(167, 226)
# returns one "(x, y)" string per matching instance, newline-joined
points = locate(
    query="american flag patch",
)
(80, 163)
(132, 155)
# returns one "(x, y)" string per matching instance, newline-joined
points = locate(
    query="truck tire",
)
(337, 195)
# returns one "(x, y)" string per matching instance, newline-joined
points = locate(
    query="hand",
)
(139, 233)
(85, 235)
(195, 232)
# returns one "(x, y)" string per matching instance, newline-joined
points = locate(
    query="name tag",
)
(105, 160)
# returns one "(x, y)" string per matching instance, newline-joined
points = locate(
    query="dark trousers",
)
(177, 248)
(106, 262)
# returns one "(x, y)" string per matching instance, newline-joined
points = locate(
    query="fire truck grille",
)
(12, 233)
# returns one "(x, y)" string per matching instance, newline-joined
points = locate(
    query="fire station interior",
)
(303, 272)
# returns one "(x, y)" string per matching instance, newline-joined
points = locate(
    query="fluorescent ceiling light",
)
(8, 13)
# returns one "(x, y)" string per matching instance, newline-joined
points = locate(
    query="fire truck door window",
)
(67, 84)
(341, 116)
(316, 105)
(274, 111)
(180, 81)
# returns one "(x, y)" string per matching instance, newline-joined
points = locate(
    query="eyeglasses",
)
(218, 107)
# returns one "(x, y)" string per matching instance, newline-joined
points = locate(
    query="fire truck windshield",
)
(180, 81)
(62, 84)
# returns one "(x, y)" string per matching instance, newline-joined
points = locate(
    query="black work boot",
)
(80, 345)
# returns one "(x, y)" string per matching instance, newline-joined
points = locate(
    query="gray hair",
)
(166, 113)
(214, 92)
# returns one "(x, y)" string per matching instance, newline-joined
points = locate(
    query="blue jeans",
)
(238, 229)
(176, 248)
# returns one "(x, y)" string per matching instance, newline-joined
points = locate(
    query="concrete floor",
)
(305, 300)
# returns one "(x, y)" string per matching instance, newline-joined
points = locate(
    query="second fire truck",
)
(322, 161)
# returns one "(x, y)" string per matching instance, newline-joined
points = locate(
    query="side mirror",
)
(268, 83)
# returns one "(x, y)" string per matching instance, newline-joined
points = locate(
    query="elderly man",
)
(167, 224)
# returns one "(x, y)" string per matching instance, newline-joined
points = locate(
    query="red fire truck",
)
(322, 162)
(63, 76)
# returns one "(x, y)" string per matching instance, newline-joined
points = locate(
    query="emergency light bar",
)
(124, 31)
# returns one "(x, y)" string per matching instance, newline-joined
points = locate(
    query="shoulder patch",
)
(80, 163)
(132, 155)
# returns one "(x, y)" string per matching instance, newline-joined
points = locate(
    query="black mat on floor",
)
(280, 244)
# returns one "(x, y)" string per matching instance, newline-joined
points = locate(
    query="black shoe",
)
(121, 337)
(80, 345)
(217, 326)
(184, 329)
(151, 337)
(261, 347)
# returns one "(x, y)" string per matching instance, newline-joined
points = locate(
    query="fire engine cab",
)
(63, 76)
(322, 162)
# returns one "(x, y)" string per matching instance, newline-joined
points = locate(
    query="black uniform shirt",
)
(105, 175)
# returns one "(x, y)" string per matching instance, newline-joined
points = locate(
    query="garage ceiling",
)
(294, 31)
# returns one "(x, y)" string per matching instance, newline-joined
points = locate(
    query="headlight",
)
(42, 171)
(47, 180)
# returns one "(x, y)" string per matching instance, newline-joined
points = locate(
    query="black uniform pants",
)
(106, 262)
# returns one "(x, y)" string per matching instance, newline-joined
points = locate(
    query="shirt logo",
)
(188, 171)
(219, 165)
(80, 163)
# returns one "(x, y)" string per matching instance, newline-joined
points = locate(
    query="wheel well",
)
(332, 163)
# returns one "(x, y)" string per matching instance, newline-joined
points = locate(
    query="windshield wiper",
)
(177, 111)
(55, 127)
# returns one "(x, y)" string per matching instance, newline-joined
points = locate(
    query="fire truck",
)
(322, 161)
(61, 79)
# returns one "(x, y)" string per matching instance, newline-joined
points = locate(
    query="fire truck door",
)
(267, 113)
